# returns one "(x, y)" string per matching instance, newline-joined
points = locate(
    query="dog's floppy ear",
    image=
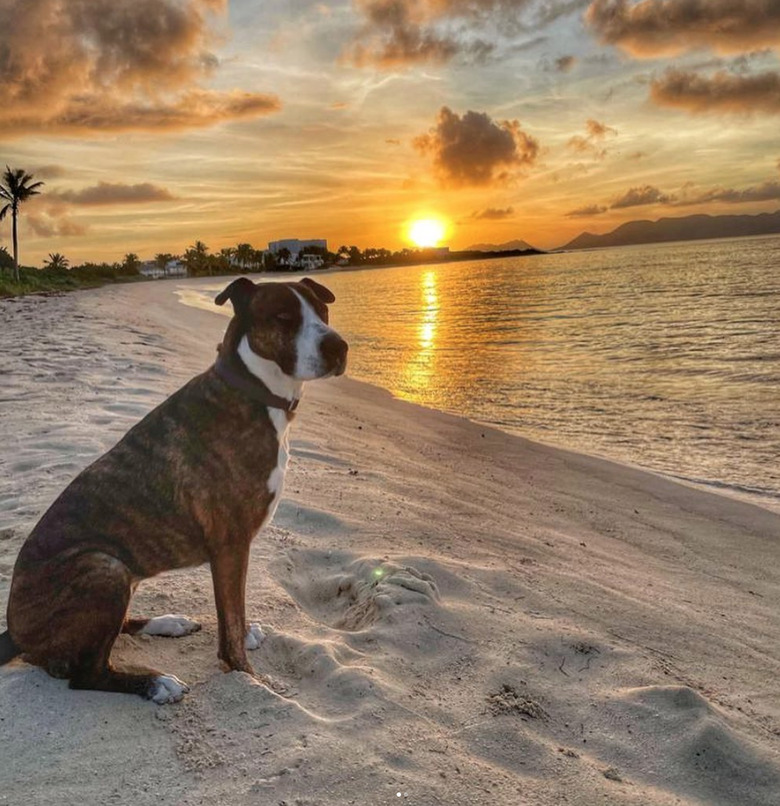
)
(239, 292)
(323, 294)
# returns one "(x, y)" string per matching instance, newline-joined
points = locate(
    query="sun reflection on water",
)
(421, 365)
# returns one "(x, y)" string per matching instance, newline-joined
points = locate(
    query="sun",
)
(427, 231)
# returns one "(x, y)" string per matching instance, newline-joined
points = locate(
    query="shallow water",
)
(666, 356)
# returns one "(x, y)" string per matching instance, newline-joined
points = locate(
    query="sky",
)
(156, 123)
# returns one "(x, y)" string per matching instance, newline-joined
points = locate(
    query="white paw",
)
(254, 636)
(167, 688)
(170, 626)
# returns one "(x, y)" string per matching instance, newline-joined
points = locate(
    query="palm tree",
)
(131, 263)
(162, 259)
(196, 258)
(244, 254)
(57, 261)
(15, 189)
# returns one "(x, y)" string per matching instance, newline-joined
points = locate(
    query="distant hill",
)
(688, 228)
(509, 246)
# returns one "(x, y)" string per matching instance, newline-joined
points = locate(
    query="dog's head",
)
(286, 323)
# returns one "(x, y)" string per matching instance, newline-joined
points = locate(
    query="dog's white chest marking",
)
(276, 478)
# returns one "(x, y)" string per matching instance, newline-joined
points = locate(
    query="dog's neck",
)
(269, 373)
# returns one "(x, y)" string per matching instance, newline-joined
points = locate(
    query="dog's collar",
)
(239, 378)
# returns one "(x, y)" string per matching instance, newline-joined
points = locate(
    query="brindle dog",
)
(192, 483)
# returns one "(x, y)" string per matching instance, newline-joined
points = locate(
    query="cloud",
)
(493, 213)
(722, 92)
(401, 33)
(474, 150)
(591, 143)
(766, 191)
(565, 63)
(590, 210)
(398, 33)
(48, 171)
(115, 193)
(124, 64)
(193, 108)
(45, 224)
(652, 28)
(638, 196)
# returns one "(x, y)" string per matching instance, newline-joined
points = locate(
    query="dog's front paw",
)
(166, 688)
(254, 636)
(170, 625)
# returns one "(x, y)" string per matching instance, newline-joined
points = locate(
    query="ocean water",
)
(664, 356)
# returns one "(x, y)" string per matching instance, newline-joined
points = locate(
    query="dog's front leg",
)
(228, 571)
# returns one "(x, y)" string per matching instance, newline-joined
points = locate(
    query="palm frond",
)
(4, 211)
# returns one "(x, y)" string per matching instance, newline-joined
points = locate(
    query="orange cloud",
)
(722, 92)
(400, 33)
(90, 65)
(474, 150)
(115, 193)
(653, 28)
(591, 143)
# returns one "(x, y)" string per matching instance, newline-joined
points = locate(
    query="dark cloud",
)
(73, 66)
(399, 33)
(592, 142)
(638, 196)
(115, 193)
(665, 27)
(565, 63)
(493, 213)
(194, 108)
(721, 92)
(474, 149)
(766, 191)
(590, 210)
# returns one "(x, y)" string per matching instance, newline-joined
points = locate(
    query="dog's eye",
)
(283, 316)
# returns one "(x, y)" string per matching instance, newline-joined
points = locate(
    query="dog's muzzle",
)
(334, 353)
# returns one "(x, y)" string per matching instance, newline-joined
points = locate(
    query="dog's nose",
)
(334, 352)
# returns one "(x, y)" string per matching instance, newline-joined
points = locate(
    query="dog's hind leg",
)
(170, 626)
(69, 626)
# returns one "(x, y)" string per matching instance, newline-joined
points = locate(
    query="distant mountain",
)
(688, 228)
(509, 246)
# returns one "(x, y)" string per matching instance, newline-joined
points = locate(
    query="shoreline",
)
(548, 626)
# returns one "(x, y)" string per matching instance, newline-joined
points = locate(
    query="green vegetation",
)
(58, 277)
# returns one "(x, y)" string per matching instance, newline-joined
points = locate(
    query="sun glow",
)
(425, 232)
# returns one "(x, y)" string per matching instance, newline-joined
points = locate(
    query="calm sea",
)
(664, 356)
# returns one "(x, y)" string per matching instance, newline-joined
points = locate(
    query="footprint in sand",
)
(349, 593)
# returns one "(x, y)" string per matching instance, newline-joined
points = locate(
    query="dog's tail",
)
(8, 649)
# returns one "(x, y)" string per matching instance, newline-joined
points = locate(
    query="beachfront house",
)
(288, 252)
(153, 271)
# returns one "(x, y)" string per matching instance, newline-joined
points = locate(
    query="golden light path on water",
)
(421, 367)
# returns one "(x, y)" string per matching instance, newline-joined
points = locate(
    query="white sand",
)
(453, 614)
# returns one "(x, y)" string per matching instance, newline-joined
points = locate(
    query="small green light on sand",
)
(379, 573)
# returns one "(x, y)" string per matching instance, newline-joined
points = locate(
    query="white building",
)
(294, 246)
(175, 268)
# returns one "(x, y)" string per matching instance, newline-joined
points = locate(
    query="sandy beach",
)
(453, 615)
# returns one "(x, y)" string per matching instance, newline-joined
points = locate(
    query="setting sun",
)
(427, 232)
